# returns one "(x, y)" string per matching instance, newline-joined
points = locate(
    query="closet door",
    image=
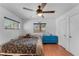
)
(74, 33)
(63, 33)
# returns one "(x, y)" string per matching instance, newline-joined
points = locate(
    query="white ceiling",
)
(60, 9)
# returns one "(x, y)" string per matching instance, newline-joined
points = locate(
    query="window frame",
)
(15, 25)
(40, 27)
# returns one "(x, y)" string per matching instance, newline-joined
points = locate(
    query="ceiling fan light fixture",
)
(39, 14)
(40, 11)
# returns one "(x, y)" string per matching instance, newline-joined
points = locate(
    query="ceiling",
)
(16, 8)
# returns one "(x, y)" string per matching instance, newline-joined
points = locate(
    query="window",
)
(39, 27)
(11, 24)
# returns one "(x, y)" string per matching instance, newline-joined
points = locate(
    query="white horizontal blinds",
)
(11, 24)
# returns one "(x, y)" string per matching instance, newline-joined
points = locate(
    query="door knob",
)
(70, 36)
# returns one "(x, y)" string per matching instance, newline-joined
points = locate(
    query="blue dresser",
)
(50, 39)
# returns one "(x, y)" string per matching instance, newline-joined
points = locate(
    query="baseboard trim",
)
(66, 50)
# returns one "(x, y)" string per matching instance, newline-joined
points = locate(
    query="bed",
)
(23, 47)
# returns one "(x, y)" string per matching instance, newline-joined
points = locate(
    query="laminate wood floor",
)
(55, 50)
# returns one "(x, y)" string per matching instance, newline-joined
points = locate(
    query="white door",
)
(63, 33)
(74, 33)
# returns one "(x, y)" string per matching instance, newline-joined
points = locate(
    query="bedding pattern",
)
(23, 46)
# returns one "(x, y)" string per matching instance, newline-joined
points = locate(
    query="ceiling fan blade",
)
(48, 11)
(28, 9)
(43, 5)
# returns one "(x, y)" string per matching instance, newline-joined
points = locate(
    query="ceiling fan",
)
(39, 11)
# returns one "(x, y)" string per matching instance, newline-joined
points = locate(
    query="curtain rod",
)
(11, 19)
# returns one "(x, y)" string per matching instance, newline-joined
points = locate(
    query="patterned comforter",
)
(21, 46)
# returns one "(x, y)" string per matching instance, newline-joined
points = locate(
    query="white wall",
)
(50, 26)
(5, 34)
(68, 17)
